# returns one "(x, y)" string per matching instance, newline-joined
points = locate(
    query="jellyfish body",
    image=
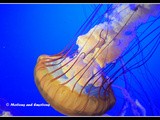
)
(80, 84)
(59, 92)
(6, 114)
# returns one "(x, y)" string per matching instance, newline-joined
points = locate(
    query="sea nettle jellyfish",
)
(111, 45)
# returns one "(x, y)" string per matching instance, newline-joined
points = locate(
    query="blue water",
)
(30, 30)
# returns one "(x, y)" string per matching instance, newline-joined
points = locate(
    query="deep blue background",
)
(27, 31)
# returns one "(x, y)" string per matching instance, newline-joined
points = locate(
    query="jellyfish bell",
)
(80, 84)
(66, 99)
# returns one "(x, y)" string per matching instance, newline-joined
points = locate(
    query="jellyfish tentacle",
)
(132, 58)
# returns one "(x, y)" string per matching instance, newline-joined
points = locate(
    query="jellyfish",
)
(3, 111)
(81, 81)
(6, 114)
